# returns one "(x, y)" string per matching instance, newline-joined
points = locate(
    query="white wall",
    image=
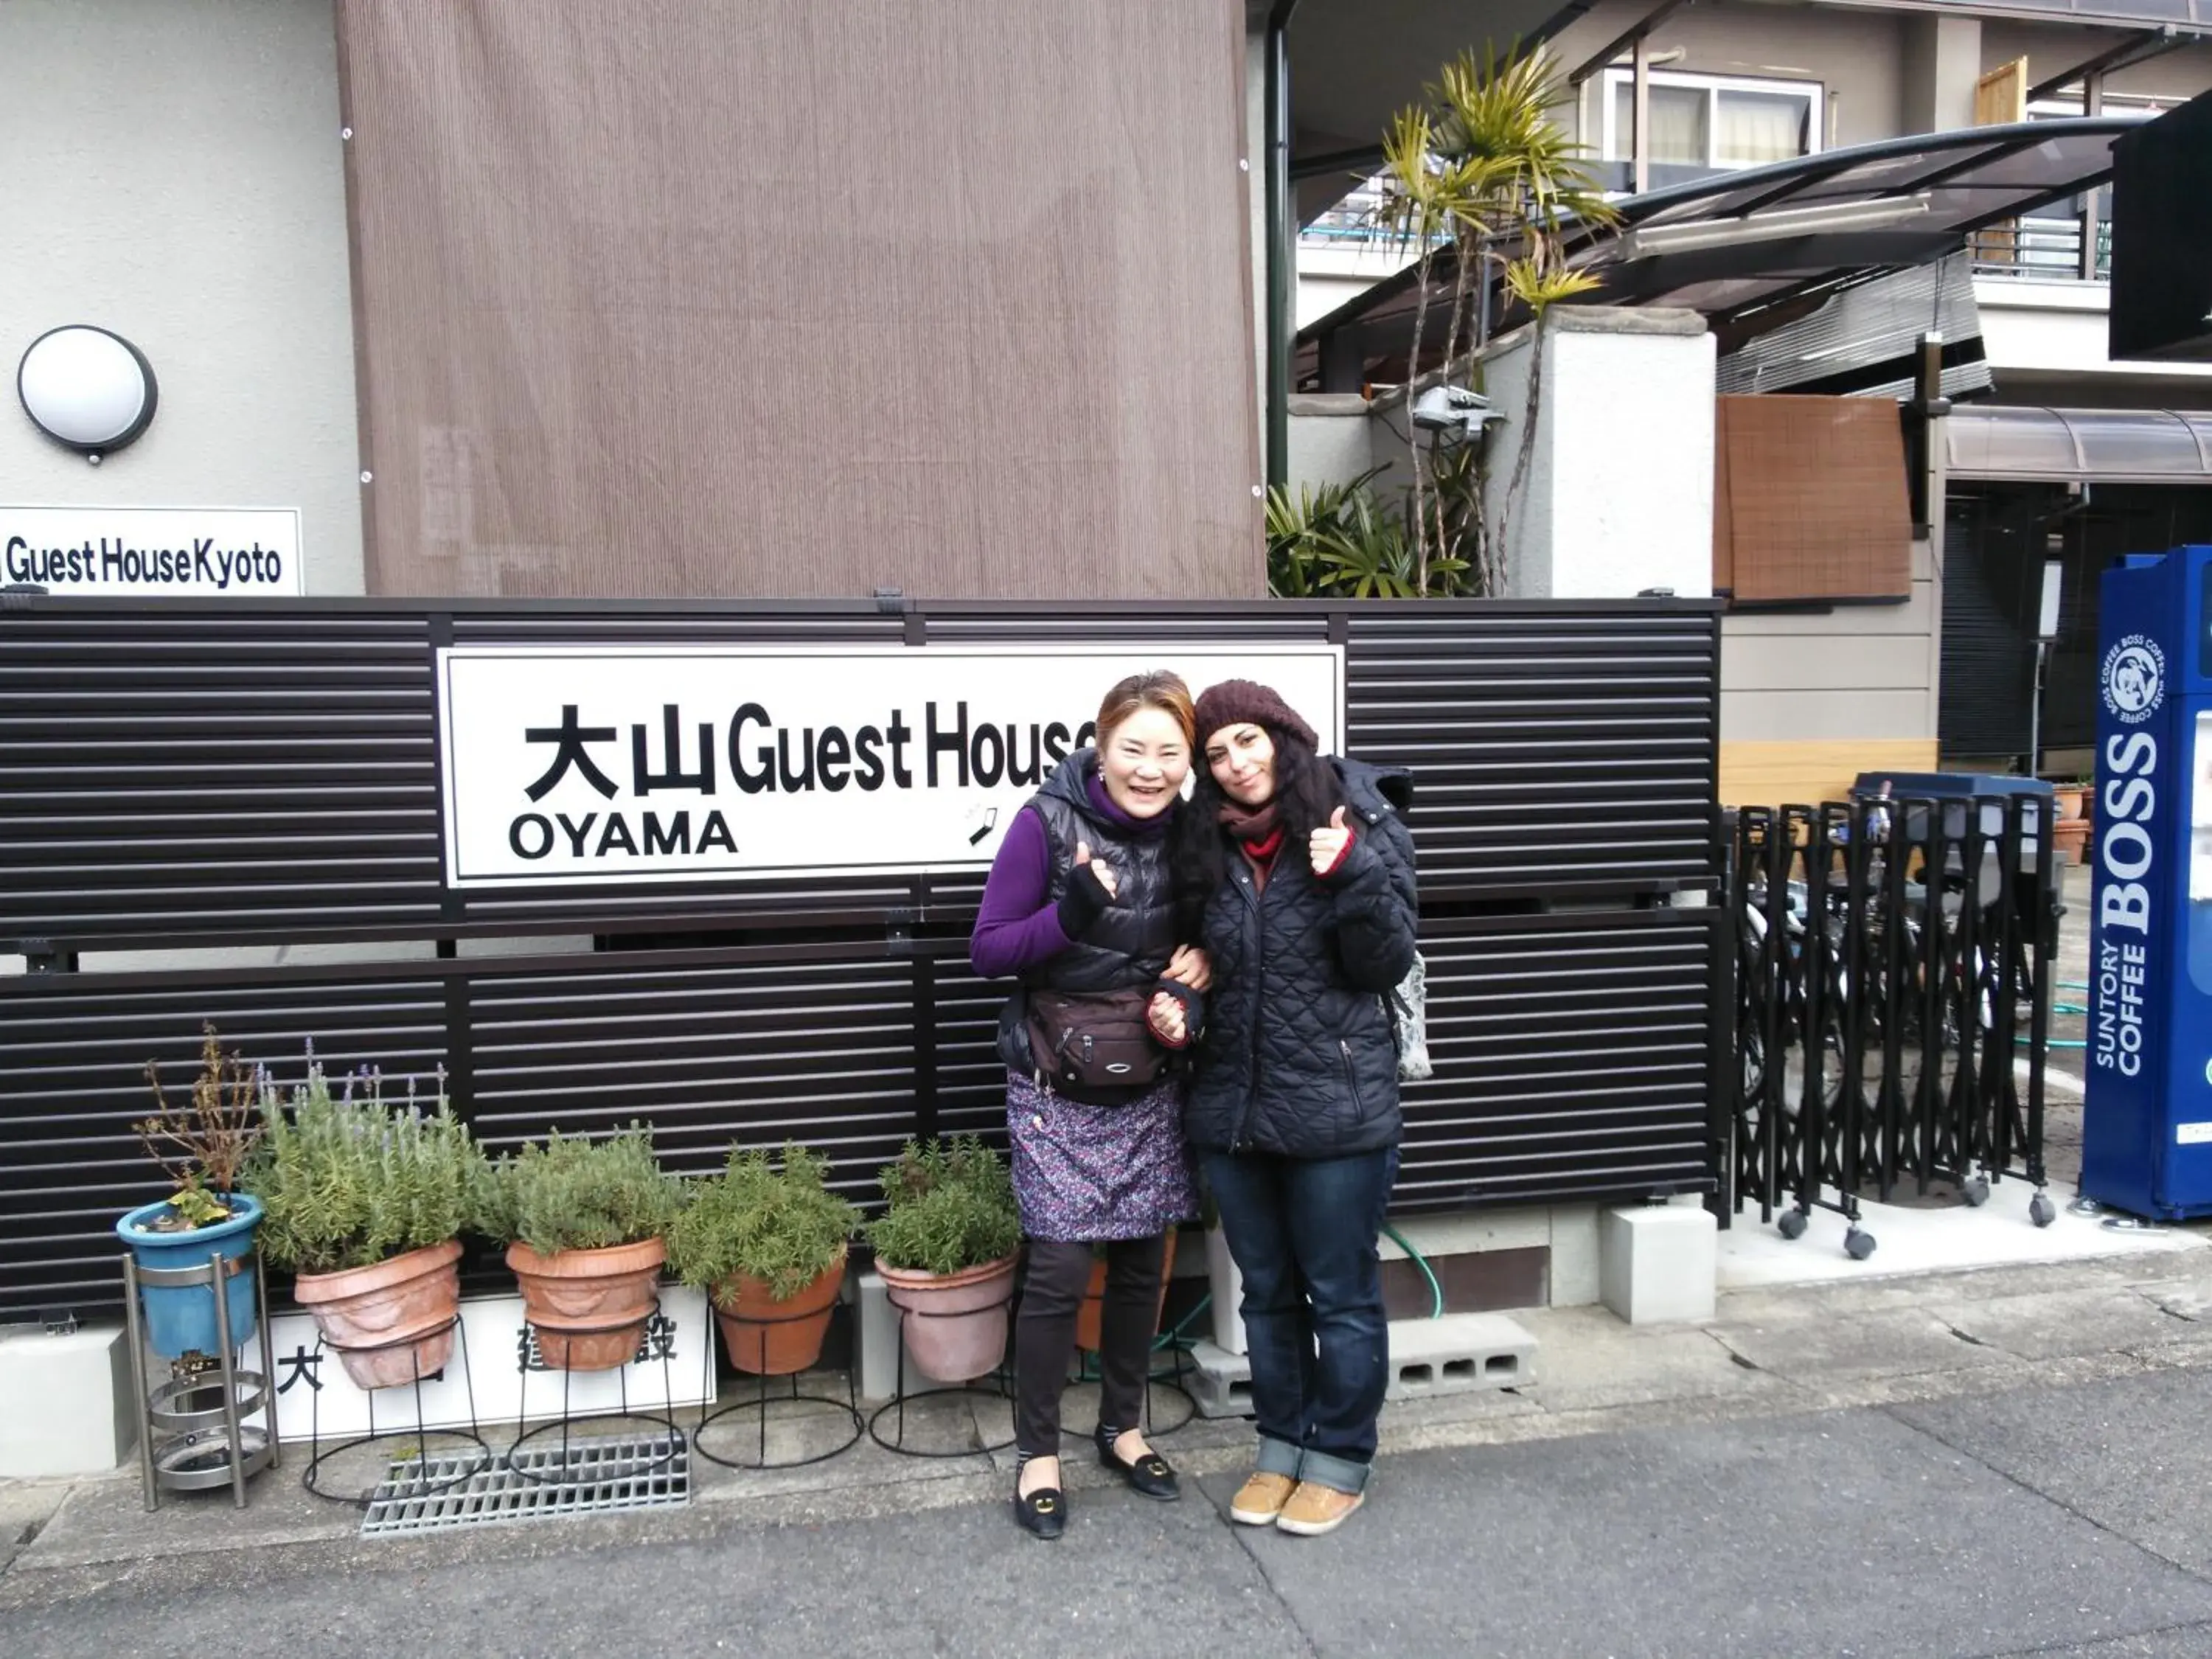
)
(2062, 329)
(1855, 671)
(171, 170)
(1617, 493)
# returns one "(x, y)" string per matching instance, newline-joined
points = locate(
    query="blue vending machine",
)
(2147, 1132)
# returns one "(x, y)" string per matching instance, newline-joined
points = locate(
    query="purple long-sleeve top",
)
(1018, 925)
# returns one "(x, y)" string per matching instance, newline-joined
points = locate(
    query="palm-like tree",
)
(1483, 165)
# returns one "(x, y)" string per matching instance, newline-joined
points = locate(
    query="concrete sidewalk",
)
(1992, 1463)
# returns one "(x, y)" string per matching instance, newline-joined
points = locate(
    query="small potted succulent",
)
(204, 1146)
(945, 1246)
(584, 1223)
(767, 1245)
(364, 1200)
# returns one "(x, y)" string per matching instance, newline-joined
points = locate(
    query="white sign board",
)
(508, 1377)
(567, 764)
(174, 552)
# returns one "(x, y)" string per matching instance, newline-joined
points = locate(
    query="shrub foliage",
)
(952, 1208)
(783, 1227)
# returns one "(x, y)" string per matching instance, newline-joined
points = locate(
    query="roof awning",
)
(1734, 243)
(2005, 444)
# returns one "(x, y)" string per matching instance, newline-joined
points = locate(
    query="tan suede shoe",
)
(1261, 1499)
(1312, 1510)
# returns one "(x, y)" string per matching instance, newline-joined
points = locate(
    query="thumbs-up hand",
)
(1328, 843)
(1104, 872)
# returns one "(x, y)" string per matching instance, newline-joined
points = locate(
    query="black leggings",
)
(1044, 1335)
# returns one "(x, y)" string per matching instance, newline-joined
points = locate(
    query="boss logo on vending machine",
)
(2135, 678)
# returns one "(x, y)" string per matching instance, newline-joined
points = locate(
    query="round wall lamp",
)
(86, 389)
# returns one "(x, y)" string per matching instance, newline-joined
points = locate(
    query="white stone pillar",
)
(1617, 492)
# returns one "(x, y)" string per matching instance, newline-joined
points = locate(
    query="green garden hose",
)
(1435, 1291)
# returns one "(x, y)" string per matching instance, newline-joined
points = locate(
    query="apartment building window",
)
(1712, 123)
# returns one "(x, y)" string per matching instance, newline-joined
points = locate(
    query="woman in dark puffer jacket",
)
(1296, 873)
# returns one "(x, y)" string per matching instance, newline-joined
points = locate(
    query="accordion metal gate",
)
(231, 813)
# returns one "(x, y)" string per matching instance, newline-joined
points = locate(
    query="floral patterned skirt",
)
(1086, 1173)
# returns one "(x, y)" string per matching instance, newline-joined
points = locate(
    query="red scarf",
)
(1258, 834)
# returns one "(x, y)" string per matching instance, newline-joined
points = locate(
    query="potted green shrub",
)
(767, 1245)
(945, 1247)
(364, 1200)
(584, 1224)
(203, 1146)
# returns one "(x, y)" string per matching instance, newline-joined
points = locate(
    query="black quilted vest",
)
(1128, 945)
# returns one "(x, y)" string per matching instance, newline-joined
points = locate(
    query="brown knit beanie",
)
(1236, 703)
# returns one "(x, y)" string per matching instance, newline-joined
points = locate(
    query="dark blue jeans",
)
(1302, 1231)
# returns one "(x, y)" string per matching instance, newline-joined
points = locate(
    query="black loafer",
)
(1043, 1513)
(1151, 1475)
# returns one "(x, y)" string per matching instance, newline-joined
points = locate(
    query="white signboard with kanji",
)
(639, 763)
(504, 1381)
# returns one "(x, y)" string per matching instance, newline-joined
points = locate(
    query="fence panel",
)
(203, 776)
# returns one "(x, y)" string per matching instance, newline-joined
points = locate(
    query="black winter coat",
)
(1299, 1055)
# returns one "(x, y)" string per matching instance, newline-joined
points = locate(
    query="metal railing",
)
(1893, 967)
(2038, 249)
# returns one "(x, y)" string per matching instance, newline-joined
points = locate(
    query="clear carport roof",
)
(1972, 178)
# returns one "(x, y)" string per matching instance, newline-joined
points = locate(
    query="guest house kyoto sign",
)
(566, 764)
(157, 552)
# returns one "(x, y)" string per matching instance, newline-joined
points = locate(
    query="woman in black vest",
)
(1303, 874)
(1081, 908)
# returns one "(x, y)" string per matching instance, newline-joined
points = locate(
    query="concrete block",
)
(877, 1322)
(1575, 1278)
(1658, 1262)
(1220, 1381)
(1519, 1228)
(68, 1409)
(1458, 1354)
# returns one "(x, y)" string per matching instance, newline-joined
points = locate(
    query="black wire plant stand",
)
(423, 1486)
(1171, 1341)
(763, 1397)
(676, 1442)
(1000, 1388)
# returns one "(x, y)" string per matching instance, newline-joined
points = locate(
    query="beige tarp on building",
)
(785, 298)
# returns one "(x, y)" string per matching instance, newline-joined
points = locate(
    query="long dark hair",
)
(1306, 793)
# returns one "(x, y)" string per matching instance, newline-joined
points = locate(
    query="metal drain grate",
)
(595, 1476)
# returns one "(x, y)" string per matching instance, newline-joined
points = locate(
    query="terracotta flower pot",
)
(955, 1326)
(2066, 797)
(589, 1306)
(392, 1320)
(2071, 837)
(767, 1338)
(1089, 1318)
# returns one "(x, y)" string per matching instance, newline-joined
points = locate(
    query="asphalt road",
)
(2054, 1521)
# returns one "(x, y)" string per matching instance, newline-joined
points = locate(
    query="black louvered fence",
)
(230, 813)
(1893, 971)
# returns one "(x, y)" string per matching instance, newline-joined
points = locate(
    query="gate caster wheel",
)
(2041, 1211)
(1976, 1192)
(1858, 1245)
(1791, 1224)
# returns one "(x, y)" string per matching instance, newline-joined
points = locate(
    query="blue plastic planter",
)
(179, 1320)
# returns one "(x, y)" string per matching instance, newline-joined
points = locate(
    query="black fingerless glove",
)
(1083, 903)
